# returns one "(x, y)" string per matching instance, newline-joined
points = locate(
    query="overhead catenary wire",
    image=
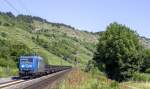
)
(11, 5)
(1, 8)
(24, 6)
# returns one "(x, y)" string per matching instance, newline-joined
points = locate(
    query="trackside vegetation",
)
(78, 79)
(119, 53)
(94, 79)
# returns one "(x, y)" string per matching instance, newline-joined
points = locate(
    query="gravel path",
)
(3, 80)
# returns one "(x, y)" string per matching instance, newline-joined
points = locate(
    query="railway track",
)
(49, 82)
(38, 83)
(10, 83)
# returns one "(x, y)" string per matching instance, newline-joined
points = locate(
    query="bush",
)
(146, 64)
(3, 62)
(141, 77)
(0, 23)
(9, 52)
(147, 70)
(8, 71)
(114, 85)
(6, 24)
(60, 47)
(3, 34)
(119, 51)
(90, 66)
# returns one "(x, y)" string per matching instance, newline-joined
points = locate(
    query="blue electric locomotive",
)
(31, 66)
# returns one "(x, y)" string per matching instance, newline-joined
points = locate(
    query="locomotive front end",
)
(26, 67)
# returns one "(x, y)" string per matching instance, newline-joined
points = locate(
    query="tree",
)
(6, 24)
(10, 14)
(146, 63)
(0, 23)
(119, 53)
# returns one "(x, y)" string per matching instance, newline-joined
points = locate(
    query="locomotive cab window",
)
(26, 60)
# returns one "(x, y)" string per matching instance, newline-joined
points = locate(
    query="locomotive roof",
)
(31, 57)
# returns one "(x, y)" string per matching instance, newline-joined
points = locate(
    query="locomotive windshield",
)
(26, 60)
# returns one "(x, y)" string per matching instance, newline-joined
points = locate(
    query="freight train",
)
(34, 66)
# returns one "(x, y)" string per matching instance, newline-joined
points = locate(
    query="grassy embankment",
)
(77, 79)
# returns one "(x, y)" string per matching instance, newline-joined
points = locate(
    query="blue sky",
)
(91, 15)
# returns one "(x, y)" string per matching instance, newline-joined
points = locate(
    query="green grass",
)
(78, 79)
(22, 36)
(143, 77)
(136, 85)
(57, 42)
(7, 71)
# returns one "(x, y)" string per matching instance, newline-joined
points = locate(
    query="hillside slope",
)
(145, 42)
(58, 44)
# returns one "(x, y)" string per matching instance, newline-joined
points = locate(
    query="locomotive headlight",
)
(22, 66)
